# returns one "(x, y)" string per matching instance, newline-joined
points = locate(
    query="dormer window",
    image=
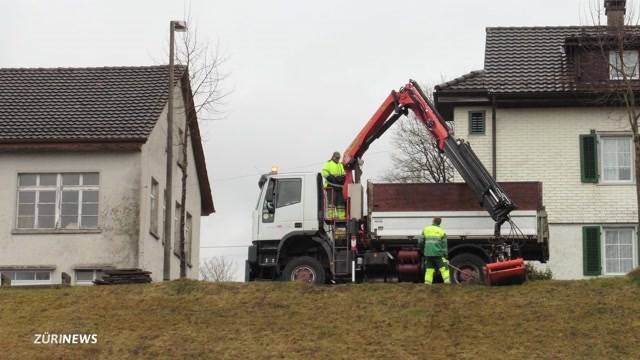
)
(625, 67)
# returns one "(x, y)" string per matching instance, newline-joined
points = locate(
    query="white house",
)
(83, 173)
(529, 118)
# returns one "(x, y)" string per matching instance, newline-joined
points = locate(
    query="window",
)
(88, 276)
(176, 230)
(619, 250)
(625, 67)
(153, 227)
(57, 201)
(477, 122)
(29, 277)
(289, 192)
(188, 238)
(616, 158)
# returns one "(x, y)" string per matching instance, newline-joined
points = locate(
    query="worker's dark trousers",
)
(436, 262)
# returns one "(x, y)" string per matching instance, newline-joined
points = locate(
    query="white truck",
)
(292, 240)
(297, 237)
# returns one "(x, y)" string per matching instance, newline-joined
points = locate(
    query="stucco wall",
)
(153, 164)
(542, 144)
(115, 244)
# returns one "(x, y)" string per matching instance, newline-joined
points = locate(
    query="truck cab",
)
(288, 204)
(287, 224)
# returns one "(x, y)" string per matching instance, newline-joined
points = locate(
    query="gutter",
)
(494, 169)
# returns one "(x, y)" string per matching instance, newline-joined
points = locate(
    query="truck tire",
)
(471, 265)
(304, 269)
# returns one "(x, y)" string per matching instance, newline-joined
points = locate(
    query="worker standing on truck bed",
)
(333, 175)
(435, 252)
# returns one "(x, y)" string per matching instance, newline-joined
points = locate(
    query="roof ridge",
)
(459, 79)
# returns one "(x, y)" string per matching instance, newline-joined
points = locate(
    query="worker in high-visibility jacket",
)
(333, 175)
(435, 252)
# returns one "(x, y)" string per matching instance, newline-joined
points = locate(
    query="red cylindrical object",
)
(505, 272)
(408, 257)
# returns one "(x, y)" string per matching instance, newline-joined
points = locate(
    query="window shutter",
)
(591, 258)
(477, 122)
(589, 158)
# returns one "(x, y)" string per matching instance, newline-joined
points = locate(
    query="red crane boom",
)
(464, 160)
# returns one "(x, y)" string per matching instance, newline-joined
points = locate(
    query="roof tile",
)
(82, 104)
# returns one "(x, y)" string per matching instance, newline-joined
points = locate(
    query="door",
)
(282, 208)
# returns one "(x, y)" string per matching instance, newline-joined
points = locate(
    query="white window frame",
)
(86, 282)
(154, 197)
(37, 188)
(634, 247)
(601, 138)
(15, 282)
(58, 188)
(615, 73)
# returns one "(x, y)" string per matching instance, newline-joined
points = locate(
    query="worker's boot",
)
(444, 272)
(428, 276)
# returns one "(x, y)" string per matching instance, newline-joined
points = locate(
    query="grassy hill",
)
(188, 319)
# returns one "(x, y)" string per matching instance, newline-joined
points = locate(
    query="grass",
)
(189, 319)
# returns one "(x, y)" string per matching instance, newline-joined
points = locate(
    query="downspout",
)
(494, 168)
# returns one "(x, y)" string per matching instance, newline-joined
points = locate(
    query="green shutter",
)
(589, 158)
(591, 258)
(477, 122)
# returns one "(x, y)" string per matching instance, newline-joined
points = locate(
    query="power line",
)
(297, 167)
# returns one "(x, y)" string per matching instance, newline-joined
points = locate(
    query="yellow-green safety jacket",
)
(435, 241)
(330, 171)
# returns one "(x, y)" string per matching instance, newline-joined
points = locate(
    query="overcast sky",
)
(305, 75)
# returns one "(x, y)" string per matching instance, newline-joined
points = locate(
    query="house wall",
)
(542, 144)
(153, 164)
(114, 244)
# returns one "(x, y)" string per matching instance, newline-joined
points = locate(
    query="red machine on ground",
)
(490, 196)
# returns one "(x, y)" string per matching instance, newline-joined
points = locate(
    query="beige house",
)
(83, 173)
(529, 119)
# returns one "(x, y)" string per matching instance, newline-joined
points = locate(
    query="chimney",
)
(615, 10)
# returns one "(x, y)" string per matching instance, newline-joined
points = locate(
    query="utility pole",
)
(168, 191)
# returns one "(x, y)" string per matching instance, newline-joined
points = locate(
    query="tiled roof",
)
(525, 59)
(81, 104)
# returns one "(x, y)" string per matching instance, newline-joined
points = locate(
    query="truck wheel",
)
(471, 269)
(304, 269)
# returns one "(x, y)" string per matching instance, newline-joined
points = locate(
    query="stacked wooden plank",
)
(124, 276)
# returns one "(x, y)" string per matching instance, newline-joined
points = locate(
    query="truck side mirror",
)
(270, 208)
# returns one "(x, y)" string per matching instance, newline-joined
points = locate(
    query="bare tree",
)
(416, 157)
(608, 65)
(203, 64)
(217, 268)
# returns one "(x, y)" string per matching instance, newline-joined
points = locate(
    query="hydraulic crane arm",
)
(410, 97)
